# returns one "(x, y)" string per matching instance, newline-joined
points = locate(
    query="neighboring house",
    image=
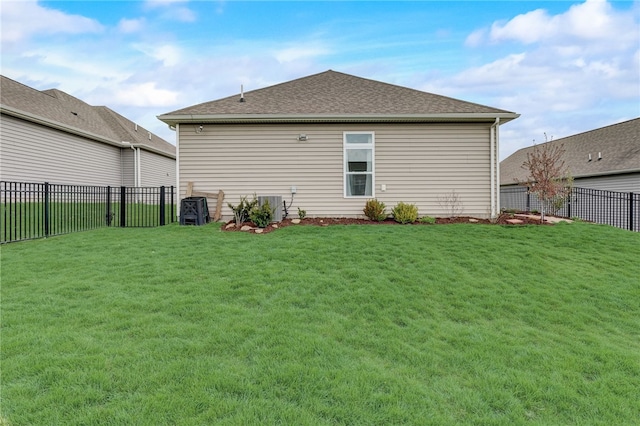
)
(51, 136)
(333, 140)
(606, 158)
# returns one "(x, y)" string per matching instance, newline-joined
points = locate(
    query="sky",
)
(566, 66)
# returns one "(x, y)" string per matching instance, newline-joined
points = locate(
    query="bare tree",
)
(451, 203)
(549, 178)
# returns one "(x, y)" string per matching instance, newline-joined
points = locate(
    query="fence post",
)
(162, 208)
(123, 206)
(108, 214)
(569, 202)
(631, 208)
(46, 209)
(528, 200)
(173, 206)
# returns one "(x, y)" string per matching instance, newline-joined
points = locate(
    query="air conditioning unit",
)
(275, 202)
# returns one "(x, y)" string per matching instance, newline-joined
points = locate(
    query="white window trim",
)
(371, 146)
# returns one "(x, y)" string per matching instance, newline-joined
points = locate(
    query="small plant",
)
(428, 219)
(242, 211)
(262, 215)
(451, 203)
(375, 210)
(302, 213)
(549, 177)
(405, 213)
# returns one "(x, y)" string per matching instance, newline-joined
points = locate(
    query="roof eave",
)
(173, 119)
(14, 112)
(151, 149)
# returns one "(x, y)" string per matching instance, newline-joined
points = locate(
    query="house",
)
(607, 158)
(328, 142)
(51, 136)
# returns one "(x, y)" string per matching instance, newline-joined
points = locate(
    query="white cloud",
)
(593, 20)
(22, 20)
(162, 3)
(143, 95)
(173, 10)
(169, 55)
(574, 71)
(296, 53)
(128, 26)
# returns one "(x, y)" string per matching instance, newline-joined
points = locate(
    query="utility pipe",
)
(135, 165)
(494, 168)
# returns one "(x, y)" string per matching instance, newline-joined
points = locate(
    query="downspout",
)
(135, 165)
(494, 168)
(138, 171)
(177, 129)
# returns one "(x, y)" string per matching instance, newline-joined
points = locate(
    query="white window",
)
(358, 164)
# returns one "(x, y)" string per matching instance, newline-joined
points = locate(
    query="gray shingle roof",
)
(334, 93)
(619, 145)
(57, 107)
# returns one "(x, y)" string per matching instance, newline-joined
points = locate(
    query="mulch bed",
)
(502, 220)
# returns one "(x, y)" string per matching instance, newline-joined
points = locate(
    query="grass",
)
(456, 324)
(26, 220)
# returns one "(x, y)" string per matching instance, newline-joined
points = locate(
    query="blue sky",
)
(565, 66)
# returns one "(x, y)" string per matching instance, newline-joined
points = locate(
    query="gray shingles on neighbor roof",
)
(334, 93)
(618, 144)
(57, 107)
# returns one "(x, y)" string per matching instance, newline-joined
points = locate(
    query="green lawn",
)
(374, 325)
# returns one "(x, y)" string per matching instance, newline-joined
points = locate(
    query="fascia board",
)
(4, 109)
(328, 118)
(151, 149)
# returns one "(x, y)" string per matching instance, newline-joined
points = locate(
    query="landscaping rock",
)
(515, 221)
(246, 228)
(473, 220)
(230, 225)
(295, 221)
(274, 226)
(259, 231)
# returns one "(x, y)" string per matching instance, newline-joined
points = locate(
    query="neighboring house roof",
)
(57, 109)
(334, 96)
(614, 149)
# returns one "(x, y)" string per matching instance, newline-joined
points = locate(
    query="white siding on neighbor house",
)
(418, 163)
(128, 167)
(629, 182)
(33, 153)
(156, 169)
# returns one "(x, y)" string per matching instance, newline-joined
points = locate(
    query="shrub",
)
(242, 211)
(428, 219)
(375, 210)
(302, 213)
(405, 213)
(262, 215)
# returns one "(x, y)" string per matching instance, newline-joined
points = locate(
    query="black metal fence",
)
(38, 210)
(619, 209)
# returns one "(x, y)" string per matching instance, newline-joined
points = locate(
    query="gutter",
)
(585, 176)
(13, 112)
(4, 109)
(173, 119)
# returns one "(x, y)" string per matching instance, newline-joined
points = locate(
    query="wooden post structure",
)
(219, 197)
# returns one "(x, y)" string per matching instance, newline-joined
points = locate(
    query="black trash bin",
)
(194, 211)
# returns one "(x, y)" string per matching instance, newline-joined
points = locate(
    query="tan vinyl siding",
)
(417, 163)
(128, 167)
(156, 170)
(34, 153)
(629, 182)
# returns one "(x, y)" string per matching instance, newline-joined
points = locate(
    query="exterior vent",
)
(275, 201)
